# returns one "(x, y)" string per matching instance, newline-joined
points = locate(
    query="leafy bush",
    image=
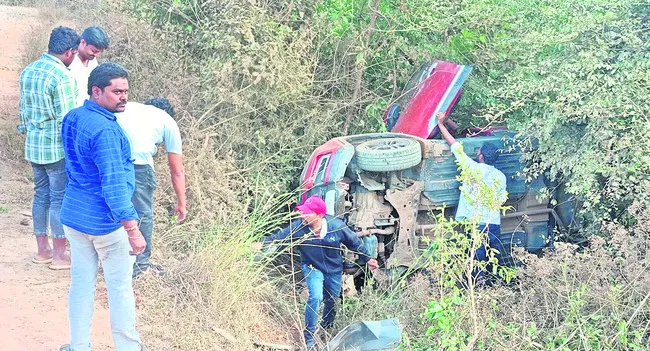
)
(572, 74)
(259, 85)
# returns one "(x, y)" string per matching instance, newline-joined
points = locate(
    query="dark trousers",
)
(145, 184)
(493, 232)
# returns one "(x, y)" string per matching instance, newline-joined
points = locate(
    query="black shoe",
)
(137, 270)
(158, 269)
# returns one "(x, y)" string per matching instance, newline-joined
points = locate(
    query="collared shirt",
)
(147, 126)
(493, 179)
(81, 74)
(323, 229)
(47, 93)
(101, 178)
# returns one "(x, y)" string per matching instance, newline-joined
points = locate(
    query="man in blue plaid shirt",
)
(47, 92)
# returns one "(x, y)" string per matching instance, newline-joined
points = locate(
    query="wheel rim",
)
(389, 145)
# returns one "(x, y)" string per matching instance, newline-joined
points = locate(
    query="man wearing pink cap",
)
(319, 238)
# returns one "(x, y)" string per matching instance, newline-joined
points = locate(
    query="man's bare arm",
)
(178, 181)
(443, 129)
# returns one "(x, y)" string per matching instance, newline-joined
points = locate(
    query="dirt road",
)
(33, 299)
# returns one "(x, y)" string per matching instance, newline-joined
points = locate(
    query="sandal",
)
(43, 261)
(59, 267)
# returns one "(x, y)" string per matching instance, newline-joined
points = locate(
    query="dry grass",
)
(215, 297)
(201, 306)
(579, 299)
(212, 297)
(15, 172)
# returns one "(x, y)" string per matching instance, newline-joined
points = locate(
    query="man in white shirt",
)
(94, 41)
(147, 125)
(479, 202)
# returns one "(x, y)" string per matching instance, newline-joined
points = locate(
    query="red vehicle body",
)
(435, 87)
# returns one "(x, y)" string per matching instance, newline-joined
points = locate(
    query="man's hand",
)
(178, 182)
(441, 118)
(372, 263)
(180, 211)
(443, 129)
(138, 244)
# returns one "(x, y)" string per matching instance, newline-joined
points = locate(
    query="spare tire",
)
(388, 154)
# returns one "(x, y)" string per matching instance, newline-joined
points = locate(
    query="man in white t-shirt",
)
(94, 41)
(475, 204)
(147, 125)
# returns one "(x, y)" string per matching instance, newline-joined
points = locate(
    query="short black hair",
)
(96, 37)
(102, 75)
(162, 104)
(490, 154)
(63, 39)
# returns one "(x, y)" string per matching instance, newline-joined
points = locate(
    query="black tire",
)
(388, 154)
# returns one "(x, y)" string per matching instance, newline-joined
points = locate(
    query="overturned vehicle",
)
(389, 186)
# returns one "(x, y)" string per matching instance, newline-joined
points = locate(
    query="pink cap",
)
(313, 204)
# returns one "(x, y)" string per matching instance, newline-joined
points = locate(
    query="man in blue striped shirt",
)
(98, 217)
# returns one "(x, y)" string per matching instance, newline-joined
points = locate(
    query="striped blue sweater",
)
(101, 178)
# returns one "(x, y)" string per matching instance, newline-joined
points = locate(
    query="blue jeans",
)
(321, 287)
(113, 250)
(49, 187)
(145, 184)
